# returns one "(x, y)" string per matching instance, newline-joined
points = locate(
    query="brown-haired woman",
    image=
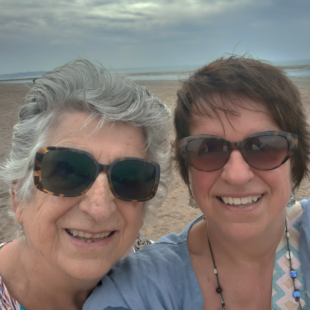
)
(242, 147)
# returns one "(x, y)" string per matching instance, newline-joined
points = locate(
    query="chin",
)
(243, 232)
(87, 270)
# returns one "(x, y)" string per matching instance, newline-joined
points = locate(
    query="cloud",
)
(140, 33)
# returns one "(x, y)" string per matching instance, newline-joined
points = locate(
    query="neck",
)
(259, 250)
(39, 282)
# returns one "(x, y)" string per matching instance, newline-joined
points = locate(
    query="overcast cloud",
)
(42, 34)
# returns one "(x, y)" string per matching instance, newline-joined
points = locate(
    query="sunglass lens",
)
(207, 154)
(265, 152)
(67, 173)
(132, 179)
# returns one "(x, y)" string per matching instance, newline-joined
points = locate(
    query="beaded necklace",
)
(293, 273)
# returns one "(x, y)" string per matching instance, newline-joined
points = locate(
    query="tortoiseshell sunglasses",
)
(263, 151)
(69, 172)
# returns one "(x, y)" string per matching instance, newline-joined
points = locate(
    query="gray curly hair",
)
(80, 86)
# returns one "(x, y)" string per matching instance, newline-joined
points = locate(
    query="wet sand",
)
(175, 213)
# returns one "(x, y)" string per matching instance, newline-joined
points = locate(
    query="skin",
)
(53, 263)
(243, 241)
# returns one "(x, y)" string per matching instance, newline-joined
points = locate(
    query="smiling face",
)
(238, 200)
(58, 230)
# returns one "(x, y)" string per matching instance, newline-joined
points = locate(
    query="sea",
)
(179, 74)
(175, 73)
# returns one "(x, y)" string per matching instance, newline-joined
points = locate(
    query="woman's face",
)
(236, 179)
(48, 219)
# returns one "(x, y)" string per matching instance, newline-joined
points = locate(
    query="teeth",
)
(79, 233)
(75, 233)
(255, 198)
(244, 200)
(104, 235)
(237, 201)
(241, 202)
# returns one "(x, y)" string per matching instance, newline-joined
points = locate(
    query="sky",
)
(39, 35)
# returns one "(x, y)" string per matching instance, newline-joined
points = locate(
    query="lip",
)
(91, 245)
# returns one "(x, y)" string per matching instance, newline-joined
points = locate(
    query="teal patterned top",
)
(282, 285)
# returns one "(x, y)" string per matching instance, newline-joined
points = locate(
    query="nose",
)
(98, 201)
(237, 171)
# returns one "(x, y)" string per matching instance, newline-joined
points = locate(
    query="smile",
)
(87, 237)
(241, 202)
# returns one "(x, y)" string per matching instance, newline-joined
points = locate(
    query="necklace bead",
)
(297, 295)
(289, 255)
(219, 290)
(293, 273)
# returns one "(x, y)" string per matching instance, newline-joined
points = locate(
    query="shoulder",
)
(158, 277)
(6, 301)
(166, 256)
(169, 252)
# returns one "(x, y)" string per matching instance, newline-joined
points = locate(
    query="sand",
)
(175, 213)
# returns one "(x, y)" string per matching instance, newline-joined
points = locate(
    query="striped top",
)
(6, 301)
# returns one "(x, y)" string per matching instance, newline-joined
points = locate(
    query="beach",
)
(175, 213)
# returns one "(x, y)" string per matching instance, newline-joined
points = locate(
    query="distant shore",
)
(160, 74)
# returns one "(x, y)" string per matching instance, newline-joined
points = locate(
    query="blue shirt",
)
(162, 277)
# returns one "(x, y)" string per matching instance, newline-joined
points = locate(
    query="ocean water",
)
(159, 74)
(179, 73)
(299, 72)
(302, 71)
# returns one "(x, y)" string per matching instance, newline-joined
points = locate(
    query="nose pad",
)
(99, 201)
(236, 170)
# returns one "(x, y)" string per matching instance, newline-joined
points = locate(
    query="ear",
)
(16, 206)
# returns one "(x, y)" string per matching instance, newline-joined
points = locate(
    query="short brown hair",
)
(250, 78)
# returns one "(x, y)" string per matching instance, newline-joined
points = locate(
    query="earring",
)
(291, 201)
(22, 233)
(192, 203)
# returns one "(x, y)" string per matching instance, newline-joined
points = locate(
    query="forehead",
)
(109, 140)
(236, 118)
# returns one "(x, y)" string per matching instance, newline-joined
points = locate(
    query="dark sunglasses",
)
(263, 151)
(68, 172)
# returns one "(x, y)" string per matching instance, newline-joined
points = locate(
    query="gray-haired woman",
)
(86, 156)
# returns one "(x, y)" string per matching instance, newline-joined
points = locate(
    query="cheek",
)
(280, 179)
(279, 182)
(47, 209)
(202, 182)
(132, 213)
